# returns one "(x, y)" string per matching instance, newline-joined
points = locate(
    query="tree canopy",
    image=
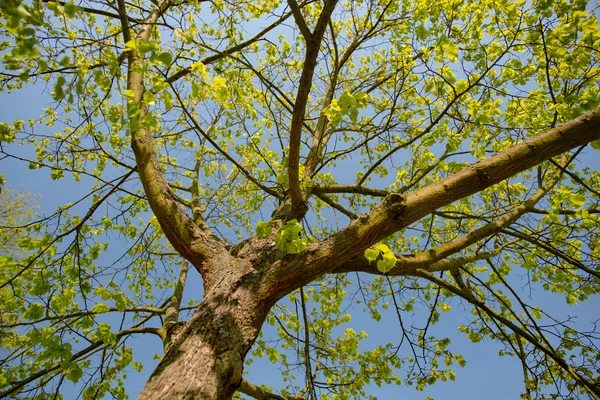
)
(311, 160)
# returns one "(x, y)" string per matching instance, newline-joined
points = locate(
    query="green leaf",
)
(200, 68)
(578, 200)
(219, 88)
(104, 333)
(596, 144)
(74, 373)
(371, 254)
(422, 32)
(288, 238)
(7, 135)
(100, 308)
(164, 58)
(130, 45)
(386, 258)
(71, 10)
(141, 46)
(263, 229)
(168, 99)
(121, 304)
(35, 311)
(58, 93)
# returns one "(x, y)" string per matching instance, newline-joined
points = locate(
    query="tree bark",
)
(206, 361)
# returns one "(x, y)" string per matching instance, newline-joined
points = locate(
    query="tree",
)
(16, 211)
(417, 155)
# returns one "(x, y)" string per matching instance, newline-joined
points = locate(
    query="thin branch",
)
(307, 365)
(337, 206)
(153, 310)
(227, 52)
(577, 179)
(434, 123)
(225, 154)
(552, 250)
(18, 385)
(92, 10)
(300, 22)
(564, 212)
(318, 188)
(77, 227)
(252, 390)
(550, 352)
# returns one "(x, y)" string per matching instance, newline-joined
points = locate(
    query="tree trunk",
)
(207, 359)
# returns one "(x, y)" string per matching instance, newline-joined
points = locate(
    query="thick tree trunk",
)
(206, 361)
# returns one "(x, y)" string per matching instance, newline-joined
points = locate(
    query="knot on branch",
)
(482, 175)
(230, 364)
(395, 202)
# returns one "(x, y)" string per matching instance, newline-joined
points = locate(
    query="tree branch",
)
(553, 251)
(397, 212)
(429, 256)
(318, 188)
(77, 227)
(593, 390)
(189, 240)
(227, 52)
(18, 385)
(299, 208)
(172, 311)
(300, 22)
(92, 10)
(336, 206)
(250, 389)
(225, 154)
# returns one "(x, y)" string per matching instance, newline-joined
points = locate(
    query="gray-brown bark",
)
(206, 362)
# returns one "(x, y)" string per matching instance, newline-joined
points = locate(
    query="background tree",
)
(335, 139)
(17, 209)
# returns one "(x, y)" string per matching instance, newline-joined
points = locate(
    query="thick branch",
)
(397, 212)
(300, 22)
(186, 237)
(361, 264)
(299, 208)
(430, 256)
(172, 311)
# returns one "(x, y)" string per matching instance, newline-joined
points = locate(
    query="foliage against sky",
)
(404, 93)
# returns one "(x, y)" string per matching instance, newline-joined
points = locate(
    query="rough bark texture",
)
(206, 362)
